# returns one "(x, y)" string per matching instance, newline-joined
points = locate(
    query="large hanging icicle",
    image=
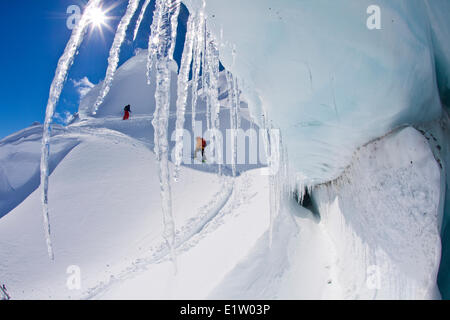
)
(113, 60)
(211, 89)
(160, 124)
(165, 10)
(233, 122)
(183, 86)
(197, 61)
(64, 64)
(277, 178)
(205, 80)
(277, 171)
(154, 40)
(273, 183)
(168, 22)
(140, 18)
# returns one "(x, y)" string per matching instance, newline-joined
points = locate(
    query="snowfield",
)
(111, 223)
(106, 220)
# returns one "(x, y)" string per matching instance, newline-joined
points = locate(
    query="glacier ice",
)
(383, 217)
(440, 33)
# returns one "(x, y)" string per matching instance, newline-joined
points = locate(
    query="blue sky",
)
(34, 35)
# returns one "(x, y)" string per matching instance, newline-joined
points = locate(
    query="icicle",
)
(237, 97)
(197, 60)
(140, 18)
(233, 127)
(155, 36)
(211, 89)
(175, 7)
(64, 64)
(167, 38)
(278, 178)
(236, 101)
(113, 60)
(205, 75)
(160, 124)
(183, 85)
(273, 192)
(272, 142)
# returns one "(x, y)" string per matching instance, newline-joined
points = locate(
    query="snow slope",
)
(105, 209)
(20, 156)
(106, 219)
(130, 87)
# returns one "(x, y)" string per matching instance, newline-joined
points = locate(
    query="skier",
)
(127, 111)
(200, 145)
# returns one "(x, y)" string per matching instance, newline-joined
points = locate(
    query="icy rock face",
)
(324, 78)
(383, 217)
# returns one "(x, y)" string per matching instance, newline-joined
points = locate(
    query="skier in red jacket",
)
(126, 114)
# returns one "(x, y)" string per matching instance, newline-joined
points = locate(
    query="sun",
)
(97, 17)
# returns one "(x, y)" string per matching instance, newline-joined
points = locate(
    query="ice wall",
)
(440, 31)
(383, 217)
(437, 134)
(324, 78)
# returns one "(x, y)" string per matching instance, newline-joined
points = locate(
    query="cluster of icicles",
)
(200, 51)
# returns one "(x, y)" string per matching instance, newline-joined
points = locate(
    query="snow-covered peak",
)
(130, 87)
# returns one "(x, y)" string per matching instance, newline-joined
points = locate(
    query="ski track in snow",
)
(209, 218)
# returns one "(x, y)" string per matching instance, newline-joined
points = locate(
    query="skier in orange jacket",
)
(200, 145)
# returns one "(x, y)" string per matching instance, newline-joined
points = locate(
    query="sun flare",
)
(98, 17)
